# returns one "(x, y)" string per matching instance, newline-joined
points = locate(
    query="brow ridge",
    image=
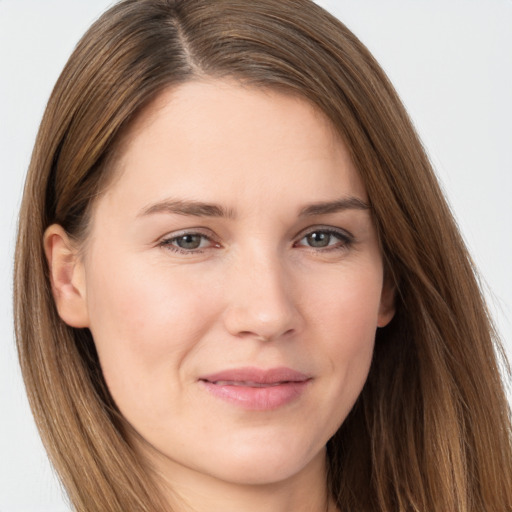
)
(187, 207)
(204, 209)
(338, 205)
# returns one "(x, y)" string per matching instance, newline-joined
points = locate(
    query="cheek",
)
(345, 318)
(347, 304)
(144, 322)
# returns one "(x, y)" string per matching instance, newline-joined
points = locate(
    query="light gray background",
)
(451, 62)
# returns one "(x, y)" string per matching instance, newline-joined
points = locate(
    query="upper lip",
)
(251, 375)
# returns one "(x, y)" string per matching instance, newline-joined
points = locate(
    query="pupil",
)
(189, 241)
(319, 239)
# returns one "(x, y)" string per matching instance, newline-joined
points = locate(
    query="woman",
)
(249, 290)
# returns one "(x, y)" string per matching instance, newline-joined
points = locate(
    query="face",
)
(233, 283)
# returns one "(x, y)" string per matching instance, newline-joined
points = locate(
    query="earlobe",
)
(67, 277)
(387, 303)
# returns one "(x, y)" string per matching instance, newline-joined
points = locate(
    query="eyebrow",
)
(201, 209)
(187, 207)
(339, 205)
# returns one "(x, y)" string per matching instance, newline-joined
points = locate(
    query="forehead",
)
(225, 141)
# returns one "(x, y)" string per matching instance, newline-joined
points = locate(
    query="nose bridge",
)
(261, 302)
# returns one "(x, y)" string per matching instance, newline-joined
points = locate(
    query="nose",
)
(262, 302)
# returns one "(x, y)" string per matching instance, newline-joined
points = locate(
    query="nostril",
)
(265, 337)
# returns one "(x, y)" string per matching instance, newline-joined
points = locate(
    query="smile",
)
(256, 389)
(247, 383)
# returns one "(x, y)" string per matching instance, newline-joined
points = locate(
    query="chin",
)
(267, 464)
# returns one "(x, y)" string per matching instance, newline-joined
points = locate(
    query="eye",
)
(325, 239)
(188, 243)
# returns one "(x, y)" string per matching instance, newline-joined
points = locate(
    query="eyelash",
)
(167, 243)
(345, 241)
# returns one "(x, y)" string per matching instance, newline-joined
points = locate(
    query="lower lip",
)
(258, 398)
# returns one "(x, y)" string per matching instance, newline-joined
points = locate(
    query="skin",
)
(266, 287)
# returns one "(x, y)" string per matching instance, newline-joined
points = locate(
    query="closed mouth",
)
(250, 384)
(256, 377)
(257, 389)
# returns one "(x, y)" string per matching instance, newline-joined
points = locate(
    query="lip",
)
(257, 389)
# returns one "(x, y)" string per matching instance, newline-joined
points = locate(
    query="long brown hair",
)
(431, 430)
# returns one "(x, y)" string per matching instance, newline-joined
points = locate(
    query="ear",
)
(67, 277)
(387, 303)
